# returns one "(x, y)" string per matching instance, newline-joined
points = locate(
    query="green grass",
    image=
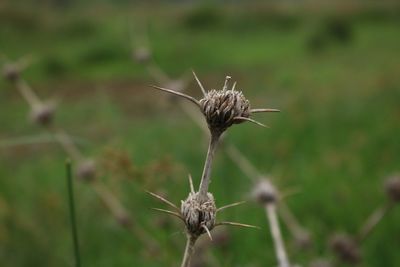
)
(336, 138)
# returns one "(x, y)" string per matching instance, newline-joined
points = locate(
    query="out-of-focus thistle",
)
(346, 248)
(43, 114)
(141, 54)
(267, 195)
(392, 187)
(221, 109)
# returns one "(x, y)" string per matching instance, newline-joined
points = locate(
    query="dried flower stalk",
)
(221, 110)
(280, 250)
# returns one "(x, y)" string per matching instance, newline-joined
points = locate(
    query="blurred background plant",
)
(332, 68)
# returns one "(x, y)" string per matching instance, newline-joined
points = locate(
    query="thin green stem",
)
(189, 249)
(72, 213)
(205, 178)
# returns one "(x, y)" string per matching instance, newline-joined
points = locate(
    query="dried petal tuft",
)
(392, 186)
(198, 214)
(222, 108)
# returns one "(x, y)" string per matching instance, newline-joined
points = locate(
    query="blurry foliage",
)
(102, 53)
(202, 17)
(79, 28)
(19, 20)
(334, 30)
(55, 66)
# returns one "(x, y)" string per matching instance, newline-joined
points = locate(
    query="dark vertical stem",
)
(72, 213)
(205, 178)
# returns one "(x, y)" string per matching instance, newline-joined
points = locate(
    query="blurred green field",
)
(334, 73)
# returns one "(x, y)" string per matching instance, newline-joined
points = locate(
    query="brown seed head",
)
(264, 192)
(345, 248)
(86, 170)
(222, 108)
(124, 220)
(11, 72)
(43, 114)
(198, 215)
(392, 186)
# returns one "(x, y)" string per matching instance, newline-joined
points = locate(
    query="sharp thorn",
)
(199, 83)
(163, 200)
(258, 110)
(237, 224)
(191, 184)
(208, 232)
(178, 94)
(251, 120)
(169, 212)
(231, 205)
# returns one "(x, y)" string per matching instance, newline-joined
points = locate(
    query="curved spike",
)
(233, 86)
(231, 205)
(169, 212)
(251, 120)
(227, 78)
(208, 231)
(178, 94)
(191, 184)
(199, 83)
(259, 110)
(163, 200)
(237, 224)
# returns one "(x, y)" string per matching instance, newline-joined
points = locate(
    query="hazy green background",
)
(333, 70)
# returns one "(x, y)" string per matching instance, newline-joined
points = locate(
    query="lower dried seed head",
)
(222, 107)
(392, 186)
(198, 215)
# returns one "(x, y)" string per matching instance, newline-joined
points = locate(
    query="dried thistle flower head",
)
(86, 170)
(199, 216)
(43, 114)
(222, 108)
(264, 192)
(392, 186)
(345, 248)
